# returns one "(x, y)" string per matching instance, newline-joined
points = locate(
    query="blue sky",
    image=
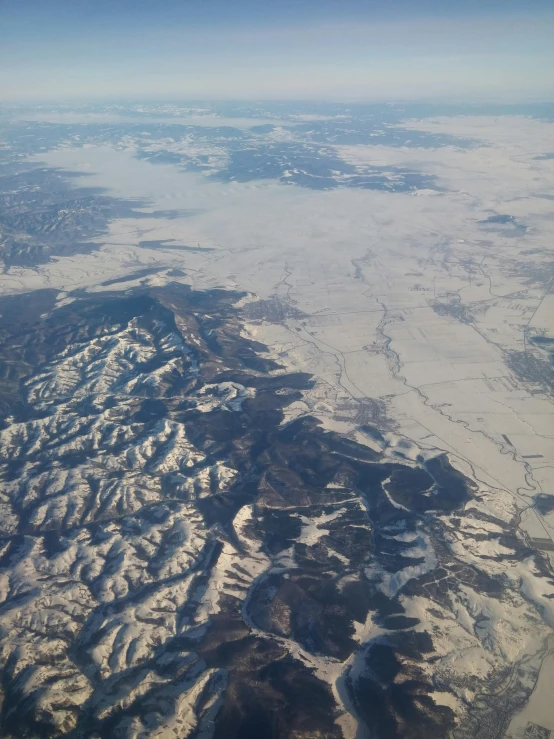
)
(285, 49)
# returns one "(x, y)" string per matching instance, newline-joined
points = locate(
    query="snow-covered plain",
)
(416, 314)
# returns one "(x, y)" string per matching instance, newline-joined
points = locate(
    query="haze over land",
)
(485, 50)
